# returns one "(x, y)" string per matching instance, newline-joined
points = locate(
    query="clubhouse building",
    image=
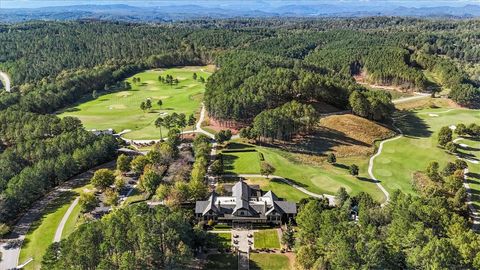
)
(247, 204)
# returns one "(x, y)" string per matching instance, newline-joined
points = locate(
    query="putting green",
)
(121, 110)
(400, 158)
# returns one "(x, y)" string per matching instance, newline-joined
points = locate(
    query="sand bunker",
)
(117, 107)
(453, 127)
(433, 115)
(123, 94)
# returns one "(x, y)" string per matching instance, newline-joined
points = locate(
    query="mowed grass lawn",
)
(278, 187)
(222, 262)
(262, 261)
(321, 178)
(219, 240)
(266, 239)
(413, 152)
(42, 232)
(246, 161)
(121, 110)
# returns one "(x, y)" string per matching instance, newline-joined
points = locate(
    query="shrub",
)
(353, 169)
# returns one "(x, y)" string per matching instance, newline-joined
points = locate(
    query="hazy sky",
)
(251, 3)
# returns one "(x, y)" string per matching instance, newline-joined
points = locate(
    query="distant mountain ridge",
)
(123, 12)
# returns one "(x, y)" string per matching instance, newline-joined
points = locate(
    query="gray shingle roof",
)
(287, 207)
(200, 206)
(271, 195)
(241, 191)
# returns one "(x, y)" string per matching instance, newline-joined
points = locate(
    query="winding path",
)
(331, 198)
(6, 80)
(198, 129)
(372, 159)
(12, 243)
(407, 99)
(58, 233)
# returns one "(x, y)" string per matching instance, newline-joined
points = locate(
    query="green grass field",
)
(266, 239)
(219, 240)
(72, 222)
(262, 261)
(247, 162)
(222, 262)
(279, 188)
(42, 232)
(402, 157)
(321, 178)
(121, 110)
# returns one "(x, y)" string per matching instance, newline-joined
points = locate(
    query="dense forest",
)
(266, 68)
(410, 232)
(276, 76)
(136, 237)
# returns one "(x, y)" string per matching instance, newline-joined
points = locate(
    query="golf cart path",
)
(331, 198)
(474, 213)
(379, 152)
(418, 95)
(198, 129)
(198, 126)
(12, 243)
(58, 232)
(6, 80)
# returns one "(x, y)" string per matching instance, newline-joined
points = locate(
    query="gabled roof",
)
(243, 204)
(211, 204)
(270, 195)
(241, 191)
(200, 206)
(287, 207)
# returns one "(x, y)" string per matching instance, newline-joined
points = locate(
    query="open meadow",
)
(120, 110)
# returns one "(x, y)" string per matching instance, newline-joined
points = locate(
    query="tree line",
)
(410, 232)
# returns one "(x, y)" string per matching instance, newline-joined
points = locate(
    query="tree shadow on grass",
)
(254, 265)
(412, 126)
(474, 175)
(468, 148)
(472, 181)
(475, 192)
(234, 145)
(341, 166)
(467, 155)
(222, 261)
(366, 179)
(322, 140)
(73, 109)
(228, 162)
(277, 180)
